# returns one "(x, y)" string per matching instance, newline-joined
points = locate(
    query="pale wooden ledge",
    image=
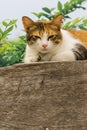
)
(44, 96)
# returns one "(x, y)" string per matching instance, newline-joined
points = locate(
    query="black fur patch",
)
(80, 52)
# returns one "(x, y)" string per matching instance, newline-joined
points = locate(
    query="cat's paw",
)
(32, 59)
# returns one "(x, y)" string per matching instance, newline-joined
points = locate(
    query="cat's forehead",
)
(42, 27)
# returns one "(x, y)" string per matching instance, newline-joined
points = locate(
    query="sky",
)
(15, 9)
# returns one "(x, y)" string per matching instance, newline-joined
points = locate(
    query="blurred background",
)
(15, 9)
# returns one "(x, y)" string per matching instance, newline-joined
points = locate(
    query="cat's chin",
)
(43, 51)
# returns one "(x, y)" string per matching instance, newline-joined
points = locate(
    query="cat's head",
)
(43, 35)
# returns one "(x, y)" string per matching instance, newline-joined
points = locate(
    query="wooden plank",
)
(44, 96)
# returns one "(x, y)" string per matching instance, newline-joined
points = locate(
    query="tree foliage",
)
(12, 52)
(65, 9)
(6, 28)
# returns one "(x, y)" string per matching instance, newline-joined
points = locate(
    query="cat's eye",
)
(33, 38)
(52, 37)
(37, 37)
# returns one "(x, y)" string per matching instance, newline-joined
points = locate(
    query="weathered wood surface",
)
(44, 96)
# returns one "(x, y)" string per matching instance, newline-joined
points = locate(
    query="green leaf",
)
(46, 15)
(52, 9)
(8, 30)
(77, 20)
(56, 14)
(81, 26)
(66, 5)
(67, 25)
(83, 8)
(37, 14)
(4, 36)
(12, 22)
(5, 23)
(47, 10)
(59, 6)
(1, 31)
(85, 21)
(0, 35)
(66, 16)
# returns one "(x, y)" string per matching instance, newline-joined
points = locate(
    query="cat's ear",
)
(27, 22)
(58, 20)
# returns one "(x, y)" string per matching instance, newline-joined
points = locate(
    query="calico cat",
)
(46, 41)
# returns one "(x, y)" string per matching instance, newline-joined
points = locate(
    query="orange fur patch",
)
(80, 34)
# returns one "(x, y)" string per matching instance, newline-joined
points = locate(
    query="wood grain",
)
(44, 96)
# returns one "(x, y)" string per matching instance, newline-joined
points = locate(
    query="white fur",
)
(59, 52)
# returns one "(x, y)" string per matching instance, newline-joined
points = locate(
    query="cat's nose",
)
(44, 45)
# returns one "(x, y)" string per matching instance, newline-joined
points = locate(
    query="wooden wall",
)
(44, 96)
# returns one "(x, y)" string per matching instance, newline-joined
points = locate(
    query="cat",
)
(47, 41)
